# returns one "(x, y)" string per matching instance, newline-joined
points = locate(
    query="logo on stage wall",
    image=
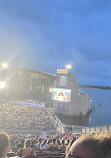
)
(61, 95)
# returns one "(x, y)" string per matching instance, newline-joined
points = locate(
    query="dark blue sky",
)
(47, 34)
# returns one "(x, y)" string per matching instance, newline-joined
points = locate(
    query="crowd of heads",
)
(56, 142)
(74, 146)
(26, 117)
(96, 145)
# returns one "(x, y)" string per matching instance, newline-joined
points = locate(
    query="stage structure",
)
(24, 84)
(67, 97)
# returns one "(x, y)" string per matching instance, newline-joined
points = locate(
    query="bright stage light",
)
(50, 90)
(4, 65)
(2, 84)
(69, 67)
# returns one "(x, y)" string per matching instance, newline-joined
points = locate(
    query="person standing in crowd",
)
(58, 142)
(4, 145)
(38, 144)
(44, 145)
(53, 145)
(62, 146)
(69, 145)
(27, 150)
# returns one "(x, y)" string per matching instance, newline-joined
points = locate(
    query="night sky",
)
(48, 34)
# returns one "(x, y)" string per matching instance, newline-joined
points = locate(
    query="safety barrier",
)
(88, 130)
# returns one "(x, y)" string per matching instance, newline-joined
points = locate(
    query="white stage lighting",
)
(69, 67)
(2, 84)
(4, 65)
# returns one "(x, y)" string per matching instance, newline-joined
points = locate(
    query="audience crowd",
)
(96, 145)
(26, 117)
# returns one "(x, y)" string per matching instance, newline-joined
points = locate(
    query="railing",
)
(88, 130)
(60, 125)
(74, 128)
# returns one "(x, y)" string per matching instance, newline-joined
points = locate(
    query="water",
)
(101, 100)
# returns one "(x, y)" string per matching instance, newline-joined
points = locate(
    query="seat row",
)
(50, 155)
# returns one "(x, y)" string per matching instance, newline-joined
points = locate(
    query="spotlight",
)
(68, 67)
(2, 84)
(4, 65)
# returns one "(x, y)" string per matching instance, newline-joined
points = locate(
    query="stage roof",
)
(33, 74)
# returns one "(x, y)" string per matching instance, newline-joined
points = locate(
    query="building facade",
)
(80, 103)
